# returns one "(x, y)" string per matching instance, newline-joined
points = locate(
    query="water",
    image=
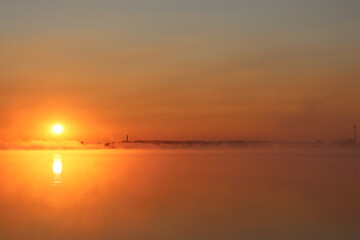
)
(180, 194)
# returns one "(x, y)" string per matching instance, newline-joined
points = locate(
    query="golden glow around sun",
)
(57, 129)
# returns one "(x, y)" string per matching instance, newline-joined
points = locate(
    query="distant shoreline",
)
(168, 144)
(223, 144)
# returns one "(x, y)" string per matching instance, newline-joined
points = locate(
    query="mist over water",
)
(180, 194)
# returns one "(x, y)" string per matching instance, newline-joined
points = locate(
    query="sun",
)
(57, 129)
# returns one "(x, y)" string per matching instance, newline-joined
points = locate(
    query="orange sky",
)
(187, 70)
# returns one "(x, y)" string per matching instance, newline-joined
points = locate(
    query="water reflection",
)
(122, 194)
(57, 169)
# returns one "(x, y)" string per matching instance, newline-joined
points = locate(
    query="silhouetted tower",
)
(355, 134)
(127, 138)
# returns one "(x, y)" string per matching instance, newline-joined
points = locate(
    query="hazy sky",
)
(189, 69)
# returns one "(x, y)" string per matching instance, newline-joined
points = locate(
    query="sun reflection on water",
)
(57, 169)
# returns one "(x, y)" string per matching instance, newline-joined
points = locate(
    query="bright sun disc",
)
(57, 129)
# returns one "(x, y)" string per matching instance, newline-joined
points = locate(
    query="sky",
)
(180, 70)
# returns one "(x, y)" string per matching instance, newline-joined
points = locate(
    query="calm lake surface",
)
(180, 194)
